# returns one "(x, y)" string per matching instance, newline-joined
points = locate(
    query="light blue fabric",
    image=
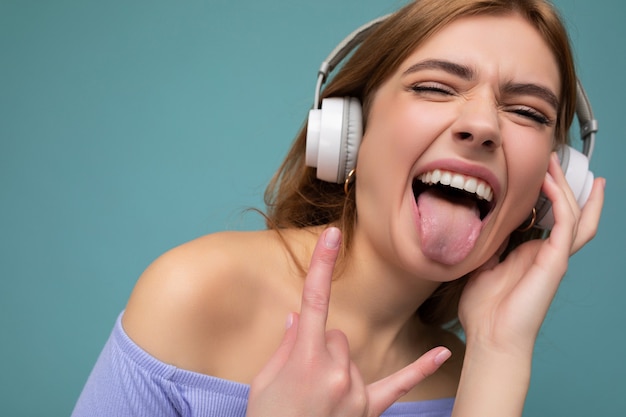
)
(126, 381)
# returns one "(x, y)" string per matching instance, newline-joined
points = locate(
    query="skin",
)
(421, 119)
(353, 346)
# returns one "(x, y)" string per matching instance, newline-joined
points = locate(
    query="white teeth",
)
(457, 181)
(462, 182)
(480, 190)
(470, 185)
(446, 178)
(436, 176)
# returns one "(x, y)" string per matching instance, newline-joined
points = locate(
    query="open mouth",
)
(457, 188)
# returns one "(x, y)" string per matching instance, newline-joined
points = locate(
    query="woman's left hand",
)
(504, 304)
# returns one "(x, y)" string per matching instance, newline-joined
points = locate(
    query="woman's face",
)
(457, 146)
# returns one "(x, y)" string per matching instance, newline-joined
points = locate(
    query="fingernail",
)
(332, 238)
(442, 356)
(289, 321)
(549, 177)
(555, 157)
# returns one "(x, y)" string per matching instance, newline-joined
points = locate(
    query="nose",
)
(477, 124)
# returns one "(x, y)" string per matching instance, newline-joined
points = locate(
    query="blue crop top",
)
(127, 381)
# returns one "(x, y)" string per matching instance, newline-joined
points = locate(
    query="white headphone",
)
(335, 130)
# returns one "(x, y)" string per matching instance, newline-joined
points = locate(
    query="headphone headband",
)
(587, 123)
(337, 55)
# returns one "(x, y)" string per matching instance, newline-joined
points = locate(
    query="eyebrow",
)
(453, 68)
(532, 90)
(467, 73)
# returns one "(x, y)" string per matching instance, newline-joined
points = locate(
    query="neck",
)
(375, 304)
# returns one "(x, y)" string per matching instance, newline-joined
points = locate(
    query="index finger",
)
(316, 291)
(387, 391)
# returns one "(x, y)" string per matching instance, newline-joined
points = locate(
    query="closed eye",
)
(431, 88)
(532, 114)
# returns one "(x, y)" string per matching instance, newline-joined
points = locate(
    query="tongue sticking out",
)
(449, 226)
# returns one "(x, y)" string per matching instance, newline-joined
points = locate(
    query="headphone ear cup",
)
(351, 142)
(575, 165)
(334, 135)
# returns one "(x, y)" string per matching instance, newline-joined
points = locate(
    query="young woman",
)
(344, 306)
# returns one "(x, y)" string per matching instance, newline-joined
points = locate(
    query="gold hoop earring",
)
(348, 181)
(531, 224)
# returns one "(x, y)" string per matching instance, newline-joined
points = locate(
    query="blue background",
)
(129, 127)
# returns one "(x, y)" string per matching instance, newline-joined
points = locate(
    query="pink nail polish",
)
(332, 237)
(442, 356)
(555, 157)
(289, 321)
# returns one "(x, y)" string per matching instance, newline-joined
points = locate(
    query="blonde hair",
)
(295, 198)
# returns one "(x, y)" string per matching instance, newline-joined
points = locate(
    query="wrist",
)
(494, 381)
(496, 355)
(503, 343)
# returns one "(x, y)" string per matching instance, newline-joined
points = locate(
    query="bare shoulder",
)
(192, 298)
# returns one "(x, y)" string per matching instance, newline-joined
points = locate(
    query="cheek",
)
(401, 130)
(527, 167)
(386, 139)
(393, 141)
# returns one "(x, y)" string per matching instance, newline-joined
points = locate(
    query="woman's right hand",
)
(311, 373)
(504, 304)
